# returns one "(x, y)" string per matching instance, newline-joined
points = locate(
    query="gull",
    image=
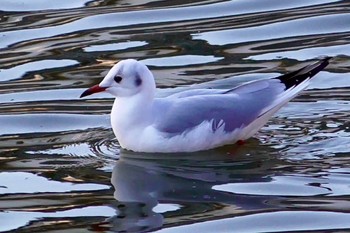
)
(193, 120)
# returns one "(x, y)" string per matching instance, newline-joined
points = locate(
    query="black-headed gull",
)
(193, 120)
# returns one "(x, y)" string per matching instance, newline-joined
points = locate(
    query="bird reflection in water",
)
(143, 181)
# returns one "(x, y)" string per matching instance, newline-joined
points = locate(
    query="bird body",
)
(193, 120)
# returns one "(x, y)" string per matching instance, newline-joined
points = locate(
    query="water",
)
(61, 170)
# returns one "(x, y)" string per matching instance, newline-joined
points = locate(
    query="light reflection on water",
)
(62, 169)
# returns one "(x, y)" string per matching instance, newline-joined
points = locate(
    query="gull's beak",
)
(92, 90)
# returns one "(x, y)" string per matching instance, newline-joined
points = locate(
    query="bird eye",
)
(118, 79)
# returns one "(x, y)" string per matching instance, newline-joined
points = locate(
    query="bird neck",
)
(132, 110)
(130, 114)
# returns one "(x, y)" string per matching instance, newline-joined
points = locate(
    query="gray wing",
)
(235, 108)
(197, 92)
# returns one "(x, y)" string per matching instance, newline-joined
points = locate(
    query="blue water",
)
(62, 170)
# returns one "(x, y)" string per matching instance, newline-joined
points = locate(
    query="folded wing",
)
(235, 108)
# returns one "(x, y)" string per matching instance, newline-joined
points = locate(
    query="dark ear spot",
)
(138, 80)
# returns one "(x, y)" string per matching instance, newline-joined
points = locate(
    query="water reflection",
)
(54, 146)
(235, 184)
(182, 185)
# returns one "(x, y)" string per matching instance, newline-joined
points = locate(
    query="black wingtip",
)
(296, 77)
(325, 60)
(318, 66)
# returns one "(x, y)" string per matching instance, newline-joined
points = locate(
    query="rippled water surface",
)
(61, 170)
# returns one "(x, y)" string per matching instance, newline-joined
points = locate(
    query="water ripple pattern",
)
(61, 169)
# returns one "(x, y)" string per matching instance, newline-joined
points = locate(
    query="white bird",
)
(193, 120)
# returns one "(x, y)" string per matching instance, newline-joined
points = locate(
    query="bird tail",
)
(295, 78)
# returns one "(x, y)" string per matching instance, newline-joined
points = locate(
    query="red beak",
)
(92, 90)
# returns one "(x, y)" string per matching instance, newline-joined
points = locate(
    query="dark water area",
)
(62, 170)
